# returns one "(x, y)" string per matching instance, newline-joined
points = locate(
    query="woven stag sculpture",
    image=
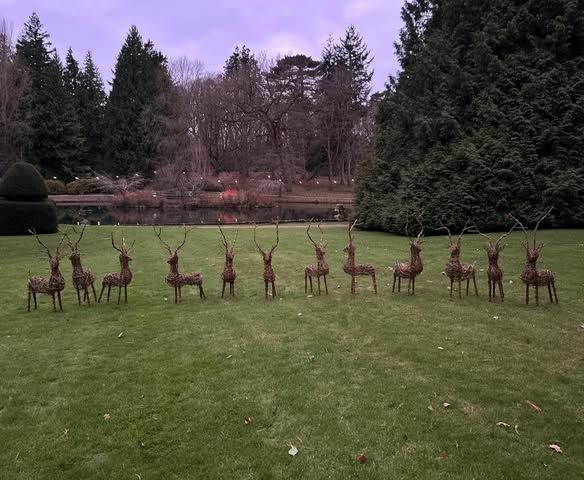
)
(174, 278)
(321, 269)
(269, 275)
(455, 270)
(82, 279)
(228, 275)
(350, 268)
(414, 267)
(54, 284)
(531, 276)
(123, 277)
(494, 272)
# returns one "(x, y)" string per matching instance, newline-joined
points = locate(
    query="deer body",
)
(228, 275)
(82, 279)
(356, 270)
(118, 279)
(455, 270)
(269, 275)
(321, 269)
(53, 285)
(414, 267)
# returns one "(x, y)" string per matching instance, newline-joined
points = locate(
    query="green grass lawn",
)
(333, 375)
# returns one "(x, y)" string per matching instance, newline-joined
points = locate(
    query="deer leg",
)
(273, 290)
(554, 290)
(79, 297)
(467, 284)
(318, 282)
(413, 285)
(202, 292)
(119, 293)
(59, 298)
(87, 296)
(325, 285)
(101, 293)
(527, 294)
(459, 288)
(399, 283)
(393, 286)
(474, 281)
(109, 289)
(374, 283)
(54, 306)
(550, 292)
(266, 289)
(451, 286)
(179, 294)
(305, 283)
(223, 290)
(501, 294)
(232, 288)
(536, 294)
(94, 293)
(310, 279)
(29, 295)
(490, 289)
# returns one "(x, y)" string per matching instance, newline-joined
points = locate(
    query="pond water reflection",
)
(107, 215)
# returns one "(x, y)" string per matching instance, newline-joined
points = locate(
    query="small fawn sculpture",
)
(82, 279)
(321, 269)
(123, 277)
(494, 272)
(354, 270)
(228, 275)
(54, 284)
(455, 270)
(531, 276)
(414, 267)
(174, 278)
(269, 275)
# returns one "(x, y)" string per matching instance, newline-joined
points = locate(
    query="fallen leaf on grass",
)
(247, 420)
(517, 429)
(445, 404)
(361, 458)
(582, 326)
(503, 424)
(121, 334)
(430, 408)
(107, 416)
(495, 317)
(440, 348)
(533, 406)
(228, 357)
(299, 314)
(555, 447)
(309, 296)
(293, 451)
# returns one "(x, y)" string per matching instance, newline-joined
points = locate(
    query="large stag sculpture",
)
(269, 275)
(455, 270)
(228, 275)
(494, 272)
(321, 269)
(414, 267)
(54, 284)
(355, 270)
(123, 277)
(531, 276)
(82, 279)
(174, 278)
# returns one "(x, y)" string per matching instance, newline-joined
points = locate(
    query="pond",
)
(106, 215)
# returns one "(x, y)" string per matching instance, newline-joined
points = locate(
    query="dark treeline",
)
(293, 116)
(485, 117)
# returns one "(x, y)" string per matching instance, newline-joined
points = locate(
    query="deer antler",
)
(159, 235)
(444, 227)
(277, 236)
(537, 224)
(308, 232)
(421, 226)
(351, 227)
(33, 232)
(517, 222)
(81, 235)
(464, 229)
(60, 243)
(500, 239)
(226, 245)
(114, 244)
(255, 241)
(184, 239)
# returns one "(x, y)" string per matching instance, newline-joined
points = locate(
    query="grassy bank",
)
(152, 390)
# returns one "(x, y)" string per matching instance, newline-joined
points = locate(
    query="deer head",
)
(532, 251)
(267, 255)
(350, 248)
(75, 256)
(415, 242)
(53, 259)
(125, 258)
(454, 245)
(320, 247)
(229, 250)
(172, 255)
(493, 247)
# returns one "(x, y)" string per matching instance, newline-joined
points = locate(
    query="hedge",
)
(17, 218)
(22, 181)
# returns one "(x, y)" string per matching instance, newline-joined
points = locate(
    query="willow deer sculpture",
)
(54, 284)
(82, 279)
(174, 278)
(269, 275)
(414, 267)
(353, 269)
(531, 276)
(321, 268)
(228, 275)
(494, 271)
(123, 277)
(455, 270)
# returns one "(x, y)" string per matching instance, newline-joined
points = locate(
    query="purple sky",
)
(209, 30)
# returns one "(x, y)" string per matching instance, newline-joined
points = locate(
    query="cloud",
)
(287, 43)
(359, 8)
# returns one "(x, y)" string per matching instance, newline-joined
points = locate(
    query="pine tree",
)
(56, 144)
(139, 75)
(71, 75)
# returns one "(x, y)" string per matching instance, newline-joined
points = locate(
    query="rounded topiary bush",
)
(23, 202)
(23, 182)
(55, 187)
